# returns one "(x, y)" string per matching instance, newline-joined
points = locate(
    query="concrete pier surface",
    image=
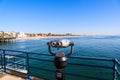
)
(9, 77)
(15, 76)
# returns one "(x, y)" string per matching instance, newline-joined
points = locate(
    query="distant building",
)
(41, 34)
(1, 34)
(11, 34)
(21, 34)
(49, 34)
(68, 34)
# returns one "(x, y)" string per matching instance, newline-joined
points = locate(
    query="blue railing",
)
(110, 71)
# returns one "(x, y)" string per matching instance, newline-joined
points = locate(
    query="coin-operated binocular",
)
(60, 60)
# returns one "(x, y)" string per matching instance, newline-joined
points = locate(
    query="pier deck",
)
(9, 77)
(14, 76)
(6, 39)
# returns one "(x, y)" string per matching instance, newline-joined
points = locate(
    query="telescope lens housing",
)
(53, 44)
(60, 43)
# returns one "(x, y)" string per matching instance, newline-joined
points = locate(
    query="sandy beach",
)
(40, 37)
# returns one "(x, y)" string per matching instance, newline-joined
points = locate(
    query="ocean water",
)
(85, 46)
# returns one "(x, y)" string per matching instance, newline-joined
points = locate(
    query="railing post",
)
(114, 70)
(27, 66)
(14, 62)
(4, 62)
(1, 58)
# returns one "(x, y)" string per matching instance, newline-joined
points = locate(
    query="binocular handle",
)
(70, 53)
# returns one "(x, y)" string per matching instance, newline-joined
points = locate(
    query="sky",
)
(61, 16)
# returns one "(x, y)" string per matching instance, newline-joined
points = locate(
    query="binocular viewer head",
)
(60, 43)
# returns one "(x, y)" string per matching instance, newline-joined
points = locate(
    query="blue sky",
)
(61, 16)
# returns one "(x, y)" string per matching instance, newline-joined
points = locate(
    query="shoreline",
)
(40, 37)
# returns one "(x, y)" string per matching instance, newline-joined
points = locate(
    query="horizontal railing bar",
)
(16, 71)
(17, 64)
(105, 59)
(23, 65)
(75, 63)
(41, 69)
(29, 57)
(39, 54)
(69, 73)
(36, 67)
(54, 71)
(69, 63)
(77, 75)
(26, 52)
(19, 61)
(13, 50)
(41, 59)
(66, 73)
(15, 55)
(91, 65)
(69, 57)
(51, 55)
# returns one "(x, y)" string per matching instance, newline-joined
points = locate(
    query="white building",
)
(21, 34)
(14, 34)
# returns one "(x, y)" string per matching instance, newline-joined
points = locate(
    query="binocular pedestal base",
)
(60, 74)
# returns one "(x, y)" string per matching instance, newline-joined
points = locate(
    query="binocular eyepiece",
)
(60, 43)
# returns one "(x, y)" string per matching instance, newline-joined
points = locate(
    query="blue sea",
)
(85, 46)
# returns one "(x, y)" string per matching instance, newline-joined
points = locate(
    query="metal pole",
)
(27, 66)
(4, 62)
(60, 62)
(14, 62)
(114, 70)
(60, 74)
(1, 63)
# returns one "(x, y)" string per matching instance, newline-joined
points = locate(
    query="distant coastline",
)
(41, 37)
